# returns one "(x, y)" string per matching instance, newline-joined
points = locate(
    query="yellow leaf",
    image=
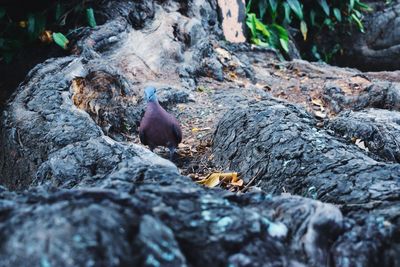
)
(303, 29)
(232, 75)
(46, 37)
(234, 177)
(318, 102)
(23, 23)
(237, 183)
(211, 180)
(214, 179)
(200, 129)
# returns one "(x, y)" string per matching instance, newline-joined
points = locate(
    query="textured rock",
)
(188, 224)
(281, 145)
(279, 148)
(377, 130)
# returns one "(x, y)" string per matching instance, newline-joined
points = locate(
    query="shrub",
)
(21, 26)
(269, 20)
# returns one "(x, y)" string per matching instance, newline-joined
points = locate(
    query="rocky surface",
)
(78, 190)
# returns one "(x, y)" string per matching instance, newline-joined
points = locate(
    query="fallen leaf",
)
(237, 183)
(211, 180)
(60, 40)
(361, 144)
(200, 129)
(234, 176)
(223, 53)
(320, 114)
(23, 23)
(46, 37)
(232, 75)
(319, 103)
(228, 178)
(318, 108)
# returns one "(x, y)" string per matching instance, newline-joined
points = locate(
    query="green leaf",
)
(328, 22)
(358, 22)
(312, 17)
(90, 17)
(31, 24)
(287, 18)
(358, 13)
(262, 7)
(257, 41)
(337, 14)
(274, 5)
(296, 7)
(284, 44)
(248, 7)
(250, 22)
(315, 53)
(282, 32)
(351, 5)
(36, 25)
(324, 6)
(2, 12)
(60, 39)
(58, 12)
(363, 6)
(303, 29)
(261, 27)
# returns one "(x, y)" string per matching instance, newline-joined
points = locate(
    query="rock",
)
(377, 129)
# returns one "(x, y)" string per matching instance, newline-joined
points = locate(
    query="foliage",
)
(268, 20)
(22, 26)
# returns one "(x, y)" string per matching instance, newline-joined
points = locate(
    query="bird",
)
(158, 127)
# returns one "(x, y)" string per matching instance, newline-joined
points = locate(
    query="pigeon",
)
(158, 127)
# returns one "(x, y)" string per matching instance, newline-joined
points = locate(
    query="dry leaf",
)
(232, 75)
(361, 144)
(214, 179)
(23, 23)
(200, 129)
(211, 180)
(46, 37)
(318, 102)
(318, 108)
(237, 183)
(234, 176)
(223, 53)
(320, 114)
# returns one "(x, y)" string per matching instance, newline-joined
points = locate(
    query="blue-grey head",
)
(150, 94)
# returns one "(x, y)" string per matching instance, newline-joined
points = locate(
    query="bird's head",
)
(150, 94)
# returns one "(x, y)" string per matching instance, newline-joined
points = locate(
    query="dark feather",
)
(177, 133)
(142, 137)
